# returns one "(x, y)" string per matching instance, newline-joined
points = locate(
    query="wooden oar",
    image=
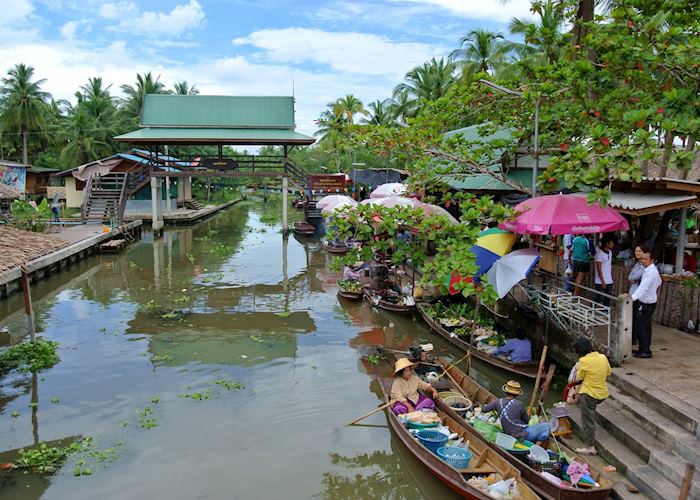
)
(536, 389)
(372, 412)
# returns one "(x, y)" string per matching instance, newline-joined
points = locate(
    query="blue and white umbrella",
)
(507, 271)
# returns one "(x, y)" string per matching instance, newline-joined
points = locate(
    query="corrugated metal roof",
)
(484, 182)
(643, 203)
(162, 110)
(251, 137)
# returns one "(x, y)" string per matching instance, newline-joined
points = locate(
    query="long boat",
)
(479, 395)
(337, 249)
(375, 299)
(484, 459)
(528, 370)
(350, 295)
(304, 229)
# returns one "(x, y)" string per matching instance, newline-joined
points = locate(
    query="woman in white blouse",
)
(638, 269)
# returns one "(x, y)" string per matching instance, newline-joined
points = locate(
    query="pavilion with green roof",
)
(208, 120)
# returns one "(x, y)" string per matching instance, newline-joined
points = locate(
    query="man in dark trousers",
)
(644, 303)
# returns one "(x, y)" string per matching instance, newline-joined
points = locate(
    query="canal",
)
(214, 362)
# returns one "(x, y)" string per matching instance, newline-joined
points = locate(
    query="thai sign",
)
(220, 164)
(15, 177)
(328, 183)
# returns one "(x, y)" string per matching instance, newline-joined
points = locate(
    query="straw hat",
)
(512, 387)
(402, 363)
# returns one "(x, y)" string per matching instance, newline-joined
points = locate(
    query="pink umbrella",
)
(563, 214)
(430, 209)
(333, 199)
(392, 201)
(390, 189)
(328, 208)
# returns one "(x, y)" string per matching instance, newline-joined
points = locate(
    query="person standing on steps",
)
(644, 303)
(603, 269)
(592, 375)
(581, 255)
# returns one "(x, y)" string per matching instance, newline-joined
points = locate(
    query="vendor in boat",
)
(405, 389)
(425, 360)
(518, 350)
(514, 418)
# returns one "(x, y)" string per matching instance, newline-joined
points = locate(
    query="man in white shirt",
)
(644, 298)
(603, 269)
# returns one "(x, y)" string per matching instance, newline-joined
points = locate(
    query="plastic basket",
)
(452, 400)
(457, 457)
(505, 440)
(552, 466)
(431, 439)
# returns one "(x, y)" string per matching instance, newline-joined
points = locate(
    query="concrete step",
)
(658, 425)
(660, 400)
(652, 484)
(649, 450)
(672, 467)
(627, 431)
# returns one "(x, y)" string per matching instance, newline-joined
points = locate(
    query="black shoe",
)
(642, 354)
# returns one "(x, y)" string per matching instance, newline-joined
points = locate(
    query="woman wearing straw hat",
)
(405, 389)
(513, 416)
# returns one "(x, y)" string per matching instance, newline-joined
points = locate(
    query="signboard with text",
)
(328, 183)
(219, 163)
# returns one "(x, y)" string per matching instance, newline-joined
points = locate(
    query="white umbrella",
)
(430, 209)
(328, 208)
(393, 201)
(507, 271)
(333, 199)
(389, 189)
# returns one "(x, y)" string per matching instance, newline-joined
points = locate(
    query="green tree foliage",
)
(23, 105)
(481, 51)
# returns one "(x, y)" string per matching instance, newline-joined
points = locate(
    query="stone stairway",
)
(649, 435)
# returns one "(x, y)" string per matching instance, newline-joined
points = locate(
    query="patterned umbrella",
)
(491, 245)
(390, 189)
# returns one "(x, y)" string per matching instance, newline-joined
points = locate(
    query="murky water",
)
(227, 300)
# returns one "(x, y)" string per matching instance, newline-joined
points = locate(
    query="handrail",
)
(86, 196)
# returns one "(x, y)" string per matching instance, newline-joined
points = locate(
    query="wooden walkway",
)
(183, 216)
(83, 240)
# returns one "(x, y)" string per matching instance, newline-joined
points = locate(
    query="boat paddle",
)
(372, 412)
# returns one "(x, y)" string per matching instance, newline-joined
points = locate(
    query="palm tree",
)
(429, 82)
(544, 38)
(23, 104)
(94, 89)
(350, 106)
(182, 88)
(145, 84)
(86, 138)
(381, 113)
(481, 50)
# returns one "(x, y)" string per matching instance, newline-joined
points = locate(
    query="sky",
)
(318, 50)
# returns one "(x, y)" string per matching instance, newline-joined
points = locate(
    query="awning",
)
(645, 203)
(375, 176)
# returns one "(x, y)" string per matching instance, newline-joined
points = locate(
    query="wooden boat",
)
(479, 395)
(350, 295)
(528, 370)
(484, 459)
(336, 249)
(375, 299)
(304, 228)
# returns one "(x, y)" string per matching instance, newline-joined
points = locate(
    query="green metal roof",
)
(250, 137)
(213, 111)
(471, 133)
(484, 182)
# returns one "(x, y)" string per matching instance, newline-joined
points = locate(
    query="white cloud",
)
(174, 23)
(347, 52)
(492, 10)
(14, 10)
(116, 10)
(69, 30)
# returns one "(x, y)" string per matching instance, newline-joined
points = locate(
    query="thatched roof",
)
(7, 193)
(18, 247)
